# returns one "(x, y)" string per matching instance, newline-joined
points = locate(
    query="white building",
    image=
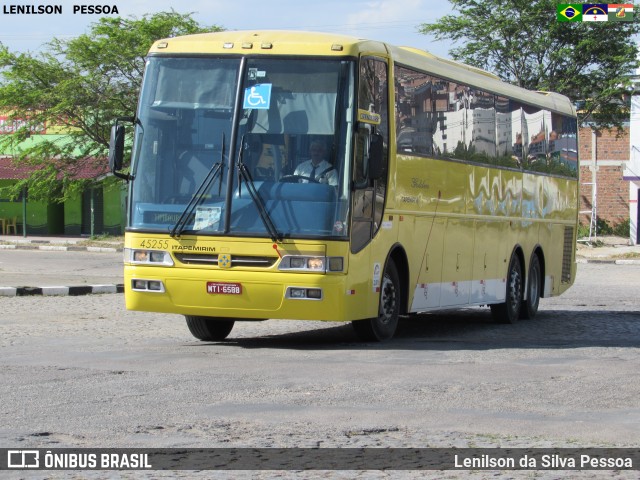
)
(632, 169)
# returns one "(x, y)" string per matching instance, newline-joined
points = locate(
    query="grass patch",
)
(627, 256)
(102, 241)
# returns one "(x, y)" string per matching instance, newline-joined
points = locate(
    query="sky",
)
(391, 21)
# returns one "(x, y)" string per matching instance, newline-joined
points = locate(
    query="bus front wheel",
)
(384, 326)
(209, 329)
(509, 311)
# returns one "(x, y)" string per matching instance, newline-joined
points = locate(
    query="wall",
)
(57, 219)
(115, 208)
(37, 212)
(113, 211)
(73, 216)
(612, 156)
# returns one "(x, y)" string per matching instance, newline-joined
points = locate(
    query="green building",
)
(98, 210)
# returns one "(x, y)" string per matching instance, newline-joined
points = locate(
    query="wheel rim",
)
(534, 284)
(515, 289)
(387, 300)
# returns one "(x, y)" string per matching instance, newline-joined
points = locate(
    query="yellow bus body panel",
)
(467, 220)
(263, 289)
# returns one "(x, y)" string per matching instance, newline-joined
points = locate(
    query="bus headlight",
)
(302, 263)
(147, 257)
(316, 263)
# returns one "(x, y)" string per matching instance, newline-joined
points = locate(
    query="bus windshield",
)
(266, 157)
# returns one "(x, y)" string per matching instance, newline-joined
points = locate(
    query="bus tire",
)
(509, 311)
(384, 326)
(534, 285)
(209, 329)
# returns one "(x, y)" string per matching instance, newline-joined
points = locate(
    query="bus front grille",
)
(236, 260)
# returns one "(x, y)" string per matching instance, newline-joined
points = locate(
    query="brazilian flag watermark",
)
(569, 12)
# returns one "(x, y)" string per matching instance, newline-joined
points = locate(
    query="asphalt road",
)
(43, 268)
(84, 372)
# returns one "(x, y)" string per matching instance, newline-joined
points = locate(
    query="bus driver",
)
(317, 168)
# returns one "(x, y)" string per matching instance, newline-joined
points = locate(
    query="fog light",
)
(315, 293)
(140, 285)
(302, 293)
(297, 293)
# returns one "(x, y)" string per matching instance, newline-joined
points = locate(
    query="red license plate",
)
(224, 288)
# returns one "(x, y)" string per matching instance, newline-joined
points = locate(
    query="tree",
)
(523, 43)
(82, 84)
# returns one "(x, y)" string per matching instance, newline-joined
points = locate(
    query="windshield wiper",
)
(197, 197)
(255, 196)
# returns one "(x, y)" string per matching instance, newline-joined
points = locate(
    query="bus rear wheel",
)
(209, 329)
(384, 326)
(534, 285)
(509, 311)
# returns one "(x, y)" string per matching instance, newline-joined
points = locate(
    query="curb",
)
(59, 248)
(605, 261)
(60, 291)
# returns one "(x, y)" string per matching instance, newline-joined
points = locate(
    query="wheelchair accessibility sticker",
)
(258, 96)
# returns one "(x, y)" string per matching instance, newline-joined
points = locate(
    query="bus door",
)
(369, 187)
(370, 171)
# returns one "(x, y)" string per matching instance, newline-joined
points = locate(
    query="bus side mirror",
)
(116, 149)
(376, 156)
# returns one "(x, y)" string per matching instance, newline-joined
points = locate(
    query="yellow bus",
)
(310, 176)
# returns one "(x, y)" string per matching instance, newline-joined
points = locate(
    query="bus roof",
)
(268, 42)
(287, 42)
